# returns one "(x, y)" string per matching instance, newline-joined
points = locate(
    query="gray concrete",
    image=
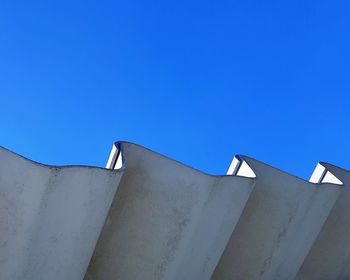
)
(50, 217)
(278, 226)
(150, 217)
(329, 257)
(168, 221)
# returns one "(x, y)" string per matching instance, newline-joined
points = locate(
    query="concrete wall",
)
(168, 221)
(50, 217)
(329, 257)
(278, 226)
(149, 217)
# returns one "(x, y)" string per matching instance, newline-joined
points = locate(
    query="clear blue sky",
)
(198, 81)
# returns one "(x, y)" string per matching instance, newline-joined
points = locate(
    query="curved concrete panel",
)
(329, 257)
(150, 217)
(167, 221)
(50, 217)
(278, 226)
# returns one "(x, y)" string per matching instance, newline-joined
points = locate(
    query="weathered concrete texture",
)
(329, 257)
(50, 217)
(167, 221)
(278, 226)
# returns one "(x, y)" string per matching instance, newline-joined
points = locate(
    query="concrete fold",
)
(167, 221)
(50, 217)
(329, 257)
(278, 226)
(146, 216)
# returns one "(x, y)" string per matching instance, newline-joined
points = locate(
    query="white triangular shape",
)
(240, 167)
(322, 175)
(330, 178)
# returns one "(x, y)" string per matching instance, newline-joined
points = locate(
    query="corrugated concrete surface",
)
(50, 217)
(329, 257)
(149, 217)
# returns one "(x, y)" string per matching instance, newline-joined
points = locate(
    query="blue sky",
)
(198, 81)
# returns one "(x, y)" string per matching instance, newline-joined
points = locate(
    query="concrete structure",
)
(50, 217)
(149, 217)
(329, 257)
(168, 221)
(278, 226)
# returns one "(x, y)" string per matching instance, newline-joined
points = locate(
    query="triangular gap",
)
(240, 167)
(322, 175)
(115, 160)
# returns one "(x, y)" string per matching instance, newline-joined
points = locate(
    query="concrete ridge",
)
(147, 216)
(119, 146)
(44, 165)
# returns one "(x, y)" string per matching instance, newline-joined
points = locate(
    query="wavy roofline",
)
(243, 157)
(51, 166)
(120, 146)
(251, 161)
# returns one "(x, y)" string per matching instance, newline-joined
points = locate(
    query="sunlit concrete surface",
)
(168, 221)
(146, 216)
(50, 217)
(278, 226)
(329, 257)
